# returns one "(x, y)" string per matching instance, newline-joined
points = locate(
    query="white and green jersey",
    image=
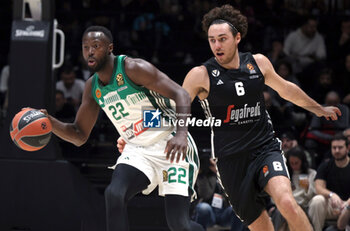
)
(123, 101)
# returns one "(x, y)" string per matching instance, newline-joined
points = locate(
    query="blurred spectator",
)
(276, 53)
(325, 84)
(289, 141)
(305, 45)
(65, 112)
(321, 130)
(302, 178)
(284, 69)
(72, 87)
(332, 184)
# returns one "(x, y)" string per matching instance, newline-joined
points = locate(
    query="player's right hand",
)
(120, 144)
(330, 113)
(176, 147)
(45, 112)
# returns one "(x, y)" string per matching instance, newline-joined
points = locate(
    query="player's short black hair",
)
(102, 29)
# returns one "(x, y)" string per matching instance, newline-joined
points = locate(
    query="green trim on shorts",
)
(192, 160)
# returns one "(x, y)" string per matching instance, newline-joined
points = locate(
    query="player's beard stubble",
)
(100, 64)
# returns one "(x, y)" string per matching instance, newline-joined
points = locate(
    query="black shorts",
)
(245, 176)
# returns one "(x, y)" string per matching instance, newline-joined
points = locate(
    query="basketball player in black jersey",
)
(249, 158)
(230, 87)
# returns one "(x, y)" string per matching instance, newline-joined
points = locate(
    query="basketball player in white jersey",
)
(166, 157)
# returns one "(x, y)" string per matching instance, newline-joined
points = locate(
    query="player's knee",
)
(114, 197)
(288, 206)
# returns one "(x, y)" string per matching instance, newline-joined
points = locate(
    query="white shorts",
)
(172, 178)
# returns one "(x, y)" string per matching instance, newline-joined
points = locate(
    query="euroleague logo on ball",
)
(43, 125)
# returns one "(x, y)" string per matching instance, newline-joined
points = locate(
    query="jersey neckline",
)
(115, 64)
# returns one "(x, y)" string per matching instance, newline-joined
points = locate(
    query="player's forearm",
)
(297, 96)
(67, 132)
(183, 110)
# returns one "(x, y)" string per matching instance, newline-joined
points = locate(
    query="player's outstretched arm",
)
(291, 92)
(78, 132)
(145, 74)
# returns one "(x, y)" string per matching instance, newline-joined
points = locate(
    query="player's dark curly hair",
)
(229, 14)
(102, 29)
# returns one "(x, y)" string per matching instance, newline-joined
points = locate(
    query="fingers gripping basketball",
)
(30, 129)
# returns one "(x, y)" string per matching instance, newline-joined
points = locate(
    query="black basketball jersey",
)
(236, 98)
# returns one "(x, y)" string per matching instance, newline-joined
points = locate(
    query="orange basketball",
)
(30, 129)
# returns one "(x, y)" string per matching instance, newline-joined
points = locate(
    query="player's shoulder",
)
(197, 77)
(199, 71)
(260, 58)
(263, 63)
(134, 63)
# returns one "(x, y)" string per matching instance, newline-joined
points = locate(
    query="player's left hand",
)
(177, 147)
(120, 144)
(330, 113)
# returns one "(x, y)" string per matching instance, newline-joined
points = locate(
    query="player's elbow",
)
(80, 141)
(80, 138)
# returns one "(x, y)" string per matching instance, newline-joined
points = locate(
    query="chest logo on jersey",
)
(215, 73)
(98, 93)
(220, 82)
(251, 68)
(120, 79)
(243, 115)
(134, 129)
